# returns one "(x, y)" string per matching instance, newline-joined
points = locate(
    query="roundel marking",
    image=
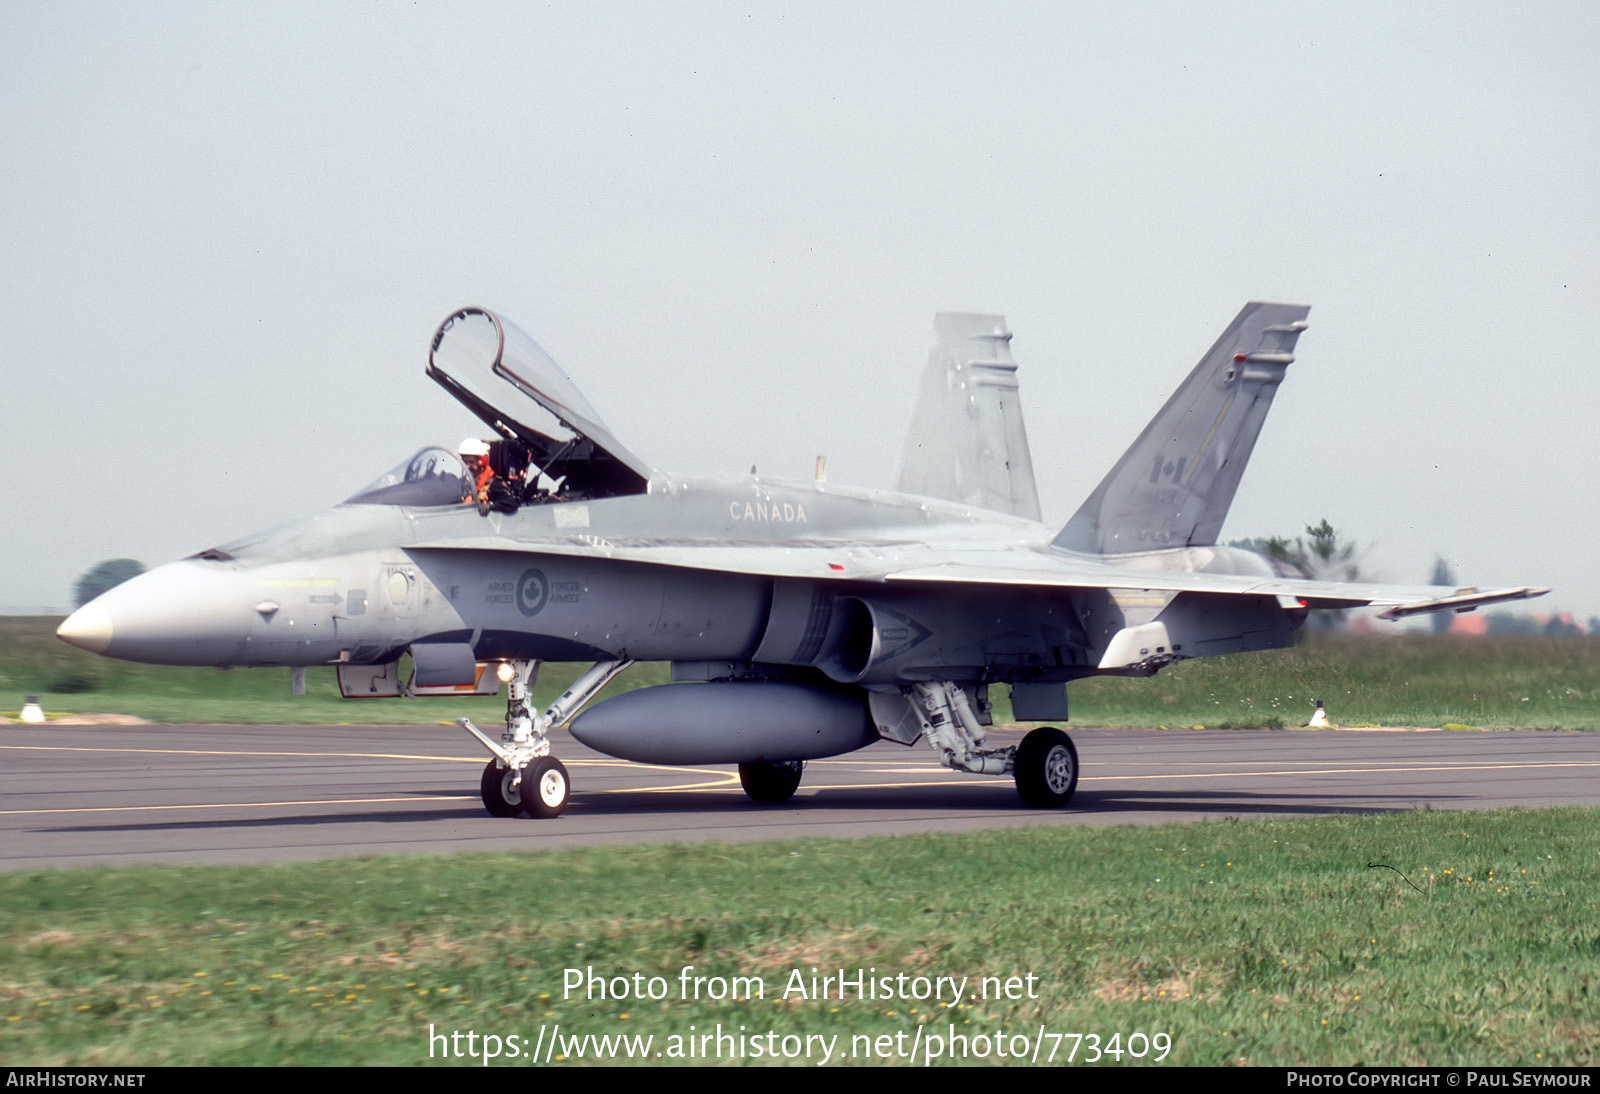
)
(533, 592)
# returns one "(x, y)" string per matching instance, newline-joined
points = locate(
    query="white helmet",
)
(472, 446)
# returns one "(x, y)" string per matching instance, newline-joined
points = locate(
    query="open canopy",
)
(503, 376)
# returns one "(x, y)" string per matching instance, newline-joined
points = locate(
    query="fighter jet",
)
(801, 619)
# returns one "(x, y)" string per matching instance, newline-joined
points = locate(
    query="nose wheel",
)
(544, 788)
(539, 790)
(501, 788)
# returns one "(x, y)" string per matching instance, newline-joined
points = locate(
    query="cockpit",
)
(437, 476)
(434, 476)
(549, 444)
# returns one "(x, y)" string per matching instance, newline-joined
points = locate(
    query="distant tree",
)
(1320, 554)
(1562, 626)
(1325, 557)
(1443, 574)
(1273, 547)
(107, 575)
(1594, 626)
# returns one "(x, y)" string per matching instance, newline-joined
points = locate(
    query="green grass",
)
(1404, 680)
(1266, 943)
(1415, 680)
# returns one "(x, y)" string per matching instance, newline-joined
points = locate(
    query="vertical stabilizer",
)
(967, 443)
(1174, 486)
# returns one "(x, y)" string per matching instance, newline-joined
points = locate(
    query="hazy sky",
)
(230, 231)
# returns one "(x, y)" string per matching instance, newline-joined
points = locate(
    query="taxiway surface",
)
(76, 795)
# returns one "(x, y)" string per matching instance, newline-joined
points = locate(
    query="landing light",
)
(505, 672)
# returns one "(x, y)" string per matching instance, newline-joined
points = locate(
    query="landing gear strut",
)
(523, 777)
(1045, 765)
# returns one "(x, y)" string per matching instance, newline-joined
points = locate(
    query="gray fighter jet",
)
(801, 619)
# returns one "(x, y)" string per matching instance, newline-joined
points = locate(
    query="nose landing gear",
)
(523, 777)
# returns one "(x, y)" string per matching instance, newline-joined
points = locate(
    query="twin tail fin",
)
(1174, 486)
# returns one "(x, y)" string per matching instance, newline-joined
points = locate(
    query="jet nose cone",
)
(183, 613)
(88, 628)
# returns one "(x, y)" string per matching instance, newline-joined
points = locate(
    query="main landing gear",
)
(770, 783)
(523, 777)
(1044, 765)
(1046, 768)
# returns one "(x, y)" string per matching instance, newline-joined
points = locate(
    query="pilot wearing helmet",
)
(480, 473)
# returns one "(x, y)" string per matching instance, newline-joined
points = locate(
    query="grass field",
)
(1404, 679)
(1259, 942)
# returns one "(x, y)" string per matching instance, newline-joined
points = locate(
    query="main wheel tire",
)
(770, 783)
(1046, 769)
(545, 787)
(502, 796)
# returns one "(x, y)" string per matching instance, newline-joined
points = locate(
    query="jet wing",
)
(826, 559)
(1403, 600)
(909, 561)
